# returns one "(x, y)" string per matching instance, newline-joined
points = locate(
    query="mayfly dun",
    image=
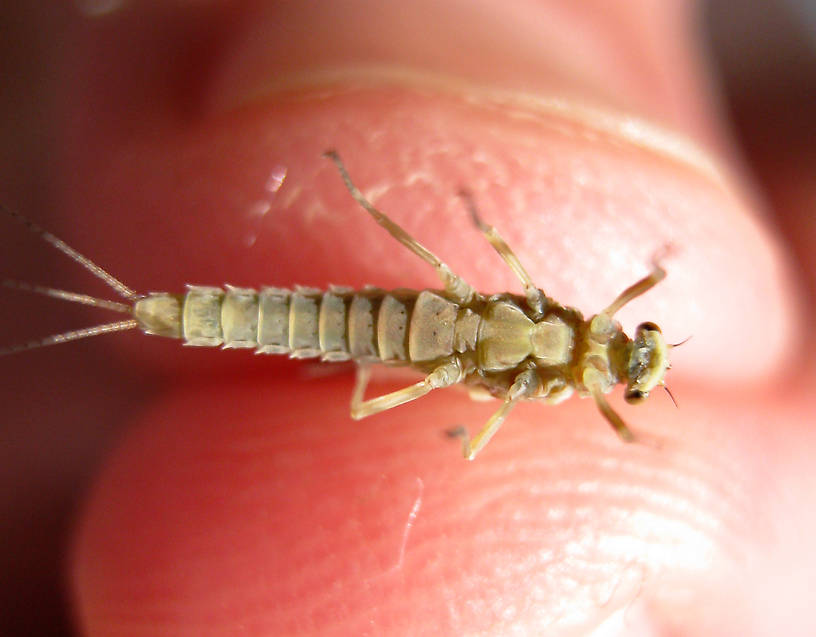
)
(515, 347)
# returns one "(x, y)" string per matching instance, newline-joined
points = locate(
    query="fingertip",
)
(241, 506)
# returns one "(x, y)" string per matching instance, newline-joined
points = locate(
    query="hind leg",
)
(454, 285)
(445, 375)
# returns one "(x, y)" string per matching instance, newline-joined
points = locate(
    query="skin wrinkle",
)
(543, 40)
(691, 486)
(616, 492)
(691, 529)
(589, 122)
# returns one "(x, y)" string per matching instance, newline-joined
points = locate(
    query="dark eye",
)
(634, 396)
(648, 325)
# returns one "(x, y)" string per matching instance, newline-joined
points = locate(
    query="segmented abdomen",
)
(339, 324)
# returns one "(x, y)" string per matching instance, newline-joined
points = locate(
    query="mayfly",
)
(515, 347)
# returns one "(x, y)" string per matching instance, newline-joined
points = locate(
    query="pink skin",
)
(241, 498)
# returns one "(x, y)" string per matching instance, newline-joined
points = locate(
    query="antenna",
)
(683, 342)
(668, 391)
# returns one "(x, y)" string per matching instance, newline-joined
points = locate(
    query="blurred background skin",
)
(123, 124)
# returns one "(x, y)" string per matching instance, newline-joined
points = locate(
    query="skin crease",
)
(241, 498)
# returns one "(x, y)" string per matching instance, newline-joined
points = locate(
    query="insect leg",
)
(535, 298)
(527, 383)
(612, 416)
(454, 284)
(636, 289)
(445, 375)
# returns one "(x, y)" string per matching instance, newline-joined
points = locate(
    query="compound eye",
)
(635, 396)
(648, 325)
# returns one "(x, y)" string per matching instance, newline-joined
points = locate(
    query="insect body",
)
(515, 347)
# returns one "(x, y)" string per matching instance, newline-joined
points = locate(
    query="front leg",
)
(643, 285)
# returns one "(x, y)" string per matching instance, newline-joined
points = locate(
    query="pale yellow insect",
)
(516, 348)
